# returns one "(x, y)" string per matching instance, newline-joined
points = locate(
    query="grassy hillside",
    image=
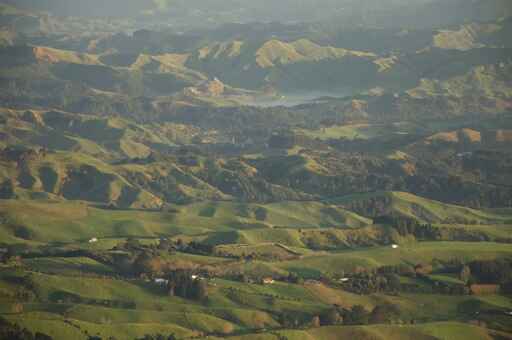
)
(71, 295)
(78, 177)
(425, 210)
(61, 221)
(424, 252)
(136, 307)
(245, 223)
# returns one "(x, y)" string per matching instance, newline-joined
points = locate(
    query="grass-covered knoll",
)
(318, 214)
(251, 217)
(330, 295)
(293, 241)
(192, 320)
(422, 209)
(282, 290)
(68, 266)
(274, 299)
(289, 237)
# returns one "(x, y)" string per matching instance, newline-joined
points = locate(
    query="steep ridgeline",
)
(42, 75)
(297, 65)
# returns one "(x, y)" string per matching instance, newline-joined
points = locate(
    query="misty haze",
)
(256, 170)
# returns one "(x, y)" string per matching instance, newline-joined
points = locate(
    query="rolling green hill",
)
(425, 210)
(292, 224)
(424, 252)
(191, 219)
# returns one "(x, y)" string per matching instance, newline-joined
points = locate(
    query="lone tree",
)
(199, 290)
(385, 313)
(357, 316)
(315, 322)
(330, 318)
(465, 274)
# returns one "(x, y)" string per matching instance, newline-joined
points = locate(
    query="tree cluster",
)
(497, 271)
(406, 226)
(185, 284)
(370, 282)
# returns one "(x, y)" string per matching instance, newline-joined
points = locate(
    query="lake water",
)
(294, 99)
